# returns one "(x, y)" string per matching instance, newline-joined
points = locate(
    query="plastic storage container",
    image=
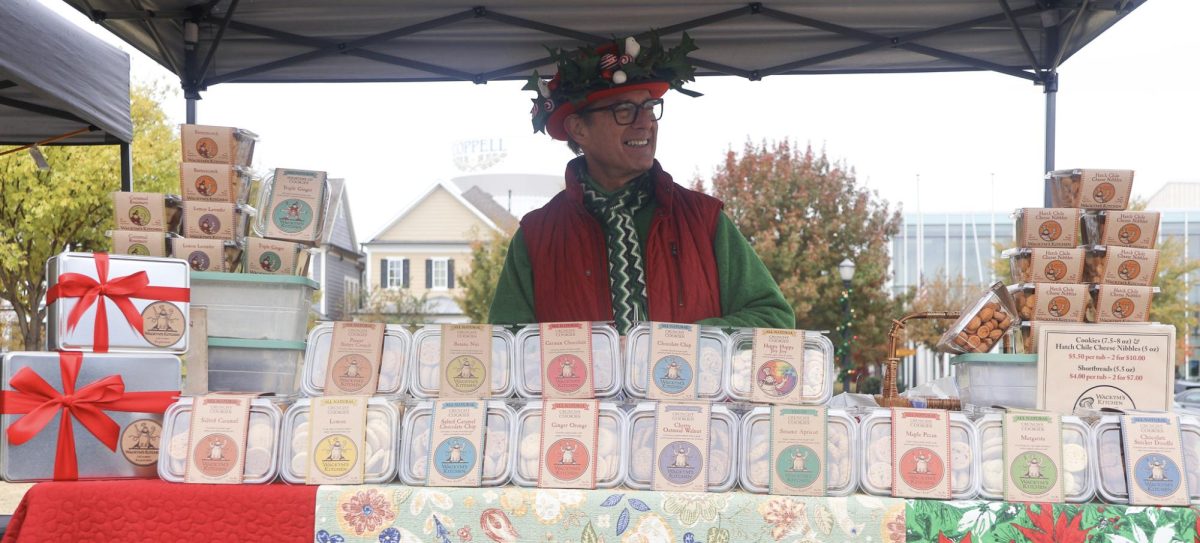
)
(265, 191)
(1110, 465)
(1047, 227)
(841, 454)
(1121, 266)
(611, 463)
(217, 144)
(875, 439)
(1054, 265)
(988, 379)
(982, 324)
(722, 448)
(426, 358)
(383, 420)
(1121, 228)
(714, 351)
(497, 448)
(1090, 189)
(233, 254)
(262, 441)
(1079, 486)
(818, 367)
(248, 365)
(252, 306)
(606, 360)
(393, 368)
(1056, 302)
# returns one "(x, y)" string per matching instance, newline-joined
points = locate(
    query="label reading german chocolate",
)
(210, 144)
(1123, 303)
(209, 220)
(456, 443)
(1130, 266)
(200, 254)
(681, 447)
(1154, 470)
(798, 450)
(466, 361)
(208, 182)
(567, 365)
(1060, 302)
(921, 453)
(673, 368)
(778, 365)
(1057, 265)
(268, 256)
(1130, 229)
(355, 353)
(1033, 457)
(217, 439)
(127, 242)
(294, 212)
(1049, 227)
(570, 430)
(1105, 189)
(140, 211)
(336, 440)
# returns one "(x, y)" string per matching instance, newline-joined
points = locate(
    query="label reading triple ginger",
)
(1154, 460)
(208, 182)
(1055, 302)
(268, 256)
(126, 242)
(1033, 457)
(211, 144)
(1049, 227)
(295, 211)
(672, 369)
(681, 447)
(456, 443)
(798, 450)
(570, 430)
(140, 211)
(1130, 229)
(217, 439)
(355, 353)
(567, 365)
(1130, 266)
(1123, 303)
(920, 453)
(1057, 265)
(336, 440)
(778, 366)
(209, 220)
(466, 361)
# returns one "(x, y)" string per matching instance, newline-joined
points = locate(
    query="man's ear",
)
(576, 128)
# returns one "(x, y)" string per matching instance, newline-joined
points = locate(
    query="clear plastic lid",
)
(262, 441)
(841, 468)
(611, 459)
(875, 439)
(380, 441)
(261, 196)
(722, 445)
(1110, 465)
(497, 451)
(714, 352)
(606, 358)
(1078, 457)
(426, 358)
(393, 374)
(819, 368)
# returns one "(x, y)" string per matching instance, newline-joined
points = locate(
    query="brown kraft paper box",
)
(208, 182)
(140, 211)
(127, 242)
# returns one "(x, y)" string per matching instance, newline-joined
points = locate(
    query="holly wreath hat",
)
(588, 74)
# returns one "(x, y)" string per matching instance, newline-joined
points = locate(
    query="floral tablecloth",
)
(978, 521)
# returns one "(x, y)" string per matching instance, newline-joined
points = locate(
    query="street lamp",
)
(846, 271)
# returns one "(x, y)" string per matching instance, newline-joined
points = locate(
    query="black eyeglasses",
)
(626, 113)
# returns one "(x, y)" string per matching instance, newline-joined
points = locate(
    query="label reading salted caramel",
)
(1130, 229)
(336, 443)
(466, 361)
(1060, 302)
(208, 182)
(1154, 470)
(1130, 266)
(200, 254)
(1088, 368)
(208, 220)
(681, 447)
(1105, 189)
(140, 211)
(1057, 265)
(1123, 303)
(921, 453)
(567, 365)
(1049, 227)
(294, 212)
(570, 430)
(272, 257)
(1033, 457)
(674, 352)
(778, 366)
(798, 450)
(217, 439)
(355, 353)
(127, 242)
(211, 144)
(456, 443)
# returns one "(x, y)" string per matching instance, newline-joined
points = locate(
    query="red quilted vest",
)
(567, 251)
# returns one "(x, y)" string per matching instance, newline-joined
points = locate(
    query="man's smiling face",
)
(616, 153)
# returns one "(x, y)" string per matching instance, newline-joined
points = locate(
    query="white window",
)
(394, 276)
(440, 274)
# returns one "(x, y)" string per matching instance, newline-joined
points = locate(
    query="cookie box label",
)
(777, 366)
(920, 453)
(217, 439)
(674, 355)
(200, 254)
(209, 220)
(267, 256)
(466, 359)
(1055, 302)
(1131, 229)
(127, 242)
(355, 353)
(294, 211)
(140, 211)
(1154, 470)
(1033, 457)
(1130, 266)
(1105, 189)
(208, 182)
(1123, 303)
(1056, 265)
(567, 365)
(681, 443)
(336, 440)
(210, 144)
(798, 441)
(456, 443)
(1048, 227)
(570, 431)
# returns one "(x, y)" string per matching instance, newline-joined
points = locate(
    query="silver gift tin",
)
(722, 446)
(262, 441)
(841, 471)
(1074, 432)
(393, 374)
(606, 358)
(1110, 458)
(34, 460)
(426, 357)
(611, 458)
(818, 367)
(875, 446)
(714, 353)
(122, 338)
(497, 447)
(382, 431)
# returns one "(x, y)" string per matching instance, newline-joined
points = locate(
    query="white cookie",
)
(881, 450)
(179, 447)
(258, 462)
(960, 455)
(300, 464)
(993, 475)
(1075, 458)
(260, 434)
(879, 475)
(1072, 485)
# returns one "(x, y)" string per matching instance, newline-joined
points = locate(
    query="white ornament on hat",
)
(632, 47)
(619, 77)
(543, 88)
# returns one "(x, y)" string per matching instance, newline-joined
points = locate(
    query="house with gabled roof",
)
(338, 264)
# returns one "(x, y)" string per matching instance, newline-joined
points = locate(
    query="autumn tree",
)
(804, 214)
(68, 207)
(479, 284)
(938, 294)
(394, 306)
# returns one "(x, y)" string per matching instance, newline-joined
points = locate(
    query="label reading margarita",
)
(466, 360)
(217, 439)
(354, 357)
(566, 360)
(1033, 457)
(920, 453)
(1153, 447)
(570, 429)
(456, 443)
(798, 450)
(672, 368)
(778, 364)
(681, 447)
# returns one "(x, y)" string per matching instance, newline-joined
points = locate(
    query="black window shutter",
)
(450, 273)
(428, 273)
(404, 268)
(383, 273)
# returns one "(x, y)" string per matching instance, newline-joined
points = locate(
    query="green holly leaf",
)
(589, 535)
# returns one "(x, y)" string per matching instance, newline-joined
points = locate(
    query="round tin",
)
(714, 352)
(606, 360)
(1109, 471)
(498, 456)
(393, 376)
(383, 417)
(875, 436)
(841, 473)
(262, 435)
(425, 358)
(1074, 432)
(818, 367)
(611, 464)
(722, 441)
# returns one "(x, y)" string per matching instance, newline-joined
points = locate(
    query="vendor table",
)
(167, 512)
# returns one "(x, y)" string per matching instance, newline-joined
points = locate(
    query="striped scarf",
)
(626, 272)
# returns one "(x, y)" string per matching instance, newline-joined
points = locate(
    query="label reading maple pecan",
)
(1060, 302)
(355, 353)
(127, 242)
(1130, 266)
(336, 442)
(208, 182)
(1048, 227)
(1033, 457)
(1123, 303)
(466, 361)
(217, 439)
(777, 365)
(1154, 470)
(567, 365)
(673, 368)
(798, 450)
(920, 453)
(1131, 229)
(268, 256)
(210, 144)
(681, 447)
(1057, 265)
(209, 220)
(140, 211)
(570, 430)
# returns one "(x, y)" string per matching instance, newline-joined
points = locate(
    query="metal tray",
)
(262, 441)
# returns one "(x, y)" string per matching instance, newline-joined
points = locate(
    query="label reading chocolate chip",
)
(1057, 265)
(1049, 227)
(674, 353)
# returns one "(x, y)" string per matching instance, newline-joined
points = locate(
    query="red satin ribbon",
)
(33, 397)
(119, 290)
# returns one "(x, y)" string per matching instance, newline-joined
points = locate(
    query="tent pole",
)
(126, 167)
(191, 111)
(1051, 89)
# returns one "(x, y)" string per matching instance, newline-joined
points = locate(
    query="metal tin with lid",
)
(262, 441)
(714, 352)
(818, 367)
(425, 358)
(393, 368)
(380, 441)
(722, 440)
(606, 360)
(1079, 485)
(875, 442)
(497, 447)
(611, 459)
(841, 467)
(1109, 472)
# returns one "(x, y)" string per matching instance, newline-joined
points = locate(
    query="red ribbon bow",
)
(33, 397)
(119, 290)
